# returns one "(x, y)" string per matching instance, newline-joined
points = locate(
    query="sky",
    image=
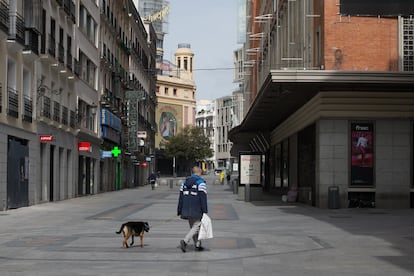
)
(210, 27)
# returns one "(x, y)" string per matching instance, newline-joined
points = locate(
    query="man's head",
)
(197, 170)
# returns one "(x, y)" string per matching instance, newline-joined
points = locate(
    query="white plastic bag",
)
(206, 228)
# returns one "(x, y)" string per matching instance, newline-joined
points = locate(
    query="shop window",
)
(282, 164)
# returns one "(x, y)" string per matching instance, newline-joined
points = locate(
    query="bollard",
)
(171, 183)
(4, 205)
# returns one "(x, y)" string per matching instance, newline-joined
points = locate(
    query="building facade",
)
(332, 117)
(224, 121)
(156, 12)
(206, 119)
(127, 95)
(62, 97)
(176, 109)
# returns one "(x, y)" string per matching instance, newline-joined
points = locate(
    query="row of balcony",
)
(12, 23)
(59, 114)
(64, 56)
(108, 100)
(13, 104)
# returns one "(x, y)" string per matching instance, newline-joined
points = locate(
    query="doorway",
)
(17, 173)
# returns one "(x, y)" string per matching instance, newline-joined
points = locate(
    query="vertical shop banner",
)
(362, 154)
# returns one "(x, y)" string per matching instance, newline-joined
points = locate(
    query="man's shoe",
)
(199, 248)
(183, 245)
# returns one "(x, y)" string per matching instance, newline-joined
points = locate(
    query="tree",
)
(189, 146)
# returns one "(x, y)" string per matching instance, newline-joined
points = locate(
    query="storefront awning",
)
(284, 92)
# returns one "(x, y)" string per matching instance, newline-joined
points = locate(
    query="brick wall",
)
(359, 43)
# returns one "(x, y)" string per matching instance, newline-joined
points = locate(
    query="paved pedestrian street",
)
(77, 237)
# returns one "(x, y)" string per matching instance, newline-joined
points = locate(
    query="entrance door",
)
(17, 173)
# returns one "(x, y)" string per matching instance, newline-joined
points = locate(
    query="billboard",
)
(169, 120)
(362, 154)
(377, 7)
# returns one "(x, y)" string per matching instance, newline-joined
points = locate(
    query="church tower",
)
(184, 61)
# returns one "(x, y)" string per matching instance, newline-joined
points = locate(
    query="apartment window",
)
(157, 90)
(88, 69)
(27, 99)
(69, 60)
(61, 48)
(12, 93)
(185, 63)
(87, 24)
(166, 90)
(175, 91)
(408, 44)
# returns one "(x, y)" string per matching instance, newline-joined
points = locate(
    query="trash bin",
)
(333, 197)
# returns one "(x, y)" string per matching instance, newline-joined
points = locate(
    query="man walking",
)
(192, 204)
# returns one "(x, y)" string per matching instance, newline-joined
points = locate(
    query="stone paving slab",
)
(77, 237)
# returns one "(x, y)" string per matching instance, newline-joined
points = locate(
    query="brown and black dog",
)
(132, 229)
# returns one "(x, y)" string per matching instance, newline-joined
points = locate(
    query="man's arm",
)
(202, 192)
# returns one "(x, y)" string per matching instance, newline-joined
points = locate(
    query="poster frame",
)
(255, 165)
(362, 174)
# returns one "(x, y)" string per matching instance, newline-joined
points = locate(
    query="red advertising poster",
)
(362, 154)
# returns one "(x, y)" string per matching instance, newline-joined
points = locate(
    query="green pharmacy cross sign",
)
(116, 151)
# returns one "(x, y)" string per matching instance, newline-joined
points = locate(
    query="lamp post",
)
(174, 130)
(174, 173)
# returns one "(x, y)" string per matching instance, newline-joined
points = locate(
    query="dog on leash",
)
(132, 229)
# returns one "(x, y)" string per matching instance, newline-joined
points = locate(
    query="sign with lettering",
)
(159, 15)
(250, 168)
(106, 154)
(84, 146)
(46, 138)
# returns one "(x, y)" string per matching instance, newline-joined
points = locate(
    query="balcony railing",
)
(70, 9)
(12, 102)
(46, 107)
(65, 115)
(77, 67)
(32, 41)
(16, 28)
(69, 60)
(61, 53)
(56, 111)
(4, 16)
(72, 119)
(52, 46)
(28, 109)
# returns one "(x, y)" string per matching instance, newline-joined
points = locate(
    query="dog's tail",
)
(120, 229)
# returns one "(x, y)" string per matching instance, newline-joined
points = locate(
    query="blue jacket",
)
(192, 202)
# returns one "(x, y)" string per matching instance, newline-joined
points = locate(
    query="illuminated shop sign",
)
(84, 146)
(46, 138)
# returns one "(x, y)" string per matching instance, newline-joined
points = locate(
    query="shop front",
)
(348, 132)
